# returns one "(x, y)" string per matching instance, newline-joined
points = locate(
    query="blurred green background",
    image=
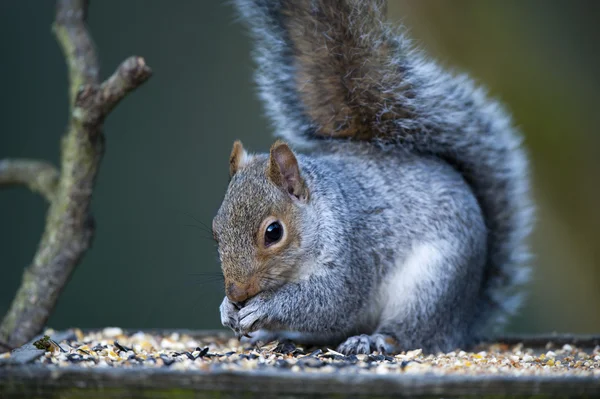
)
(168, 143)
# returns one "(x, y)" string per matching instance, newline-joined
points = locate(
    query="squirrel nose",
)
(238, 293)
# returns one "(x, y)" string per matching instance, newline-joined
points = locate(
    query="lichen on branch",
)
(69, 225)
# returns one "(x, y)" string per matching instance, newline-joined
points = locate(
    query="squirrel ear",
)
(238, 158)
(283, 170)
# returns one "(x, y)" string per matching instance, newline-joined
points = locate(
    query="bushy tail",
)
(335, 69)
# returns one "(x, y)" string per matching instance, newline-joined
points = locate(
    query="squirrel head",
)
(258, 226)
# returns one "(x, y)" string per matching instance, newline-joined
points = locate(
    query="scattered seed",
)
(203, 352)
(285, 347)
(310, 361)
(112, 332)
(184, 352)
(121, 347)
(316, 353)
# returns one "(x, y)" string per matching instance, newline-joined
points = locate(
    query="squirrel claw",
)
(367, 344)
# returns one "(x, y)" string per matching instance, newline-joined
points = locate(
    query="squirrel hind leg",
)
(366, 344)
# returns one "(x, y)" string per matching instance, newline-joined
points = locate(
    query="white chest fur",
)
(416, 276)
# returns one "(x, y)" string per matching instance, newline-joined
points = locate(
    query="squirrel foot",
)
(299, 338)
(265, 336)
(366, 344)
(261, 336)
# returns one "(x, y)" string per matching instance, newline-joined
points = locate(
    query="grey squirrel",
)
(404, 225)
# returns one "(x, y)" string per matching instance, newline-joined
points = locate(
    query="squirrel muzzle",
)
(241, 292)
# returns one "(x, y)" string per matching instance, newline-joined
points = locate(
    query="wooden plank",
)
(36, 380)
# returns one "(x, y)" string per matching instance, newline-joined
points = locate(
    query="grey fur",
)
(446, 174)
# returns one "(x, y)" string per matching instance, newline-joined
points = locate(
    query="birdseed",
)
(113, 347)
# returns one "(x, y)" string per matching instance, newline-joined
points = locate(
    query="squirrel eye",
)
(273, 233)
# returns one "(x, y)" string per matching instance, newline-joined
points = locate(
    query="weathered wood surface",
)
(36, 381)
(33, 380)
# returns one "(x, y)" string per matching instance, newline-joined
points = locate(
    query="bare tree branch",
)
(94, 102)
(76, 44)
(69, 224)
(130, 74)
(39, 176)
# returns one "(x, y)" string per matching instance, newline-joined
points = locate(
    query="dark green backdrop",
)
(168, 143)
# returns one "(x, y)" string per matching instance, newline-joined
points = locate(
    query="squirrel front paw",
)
(253, 316)
(229, 315)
